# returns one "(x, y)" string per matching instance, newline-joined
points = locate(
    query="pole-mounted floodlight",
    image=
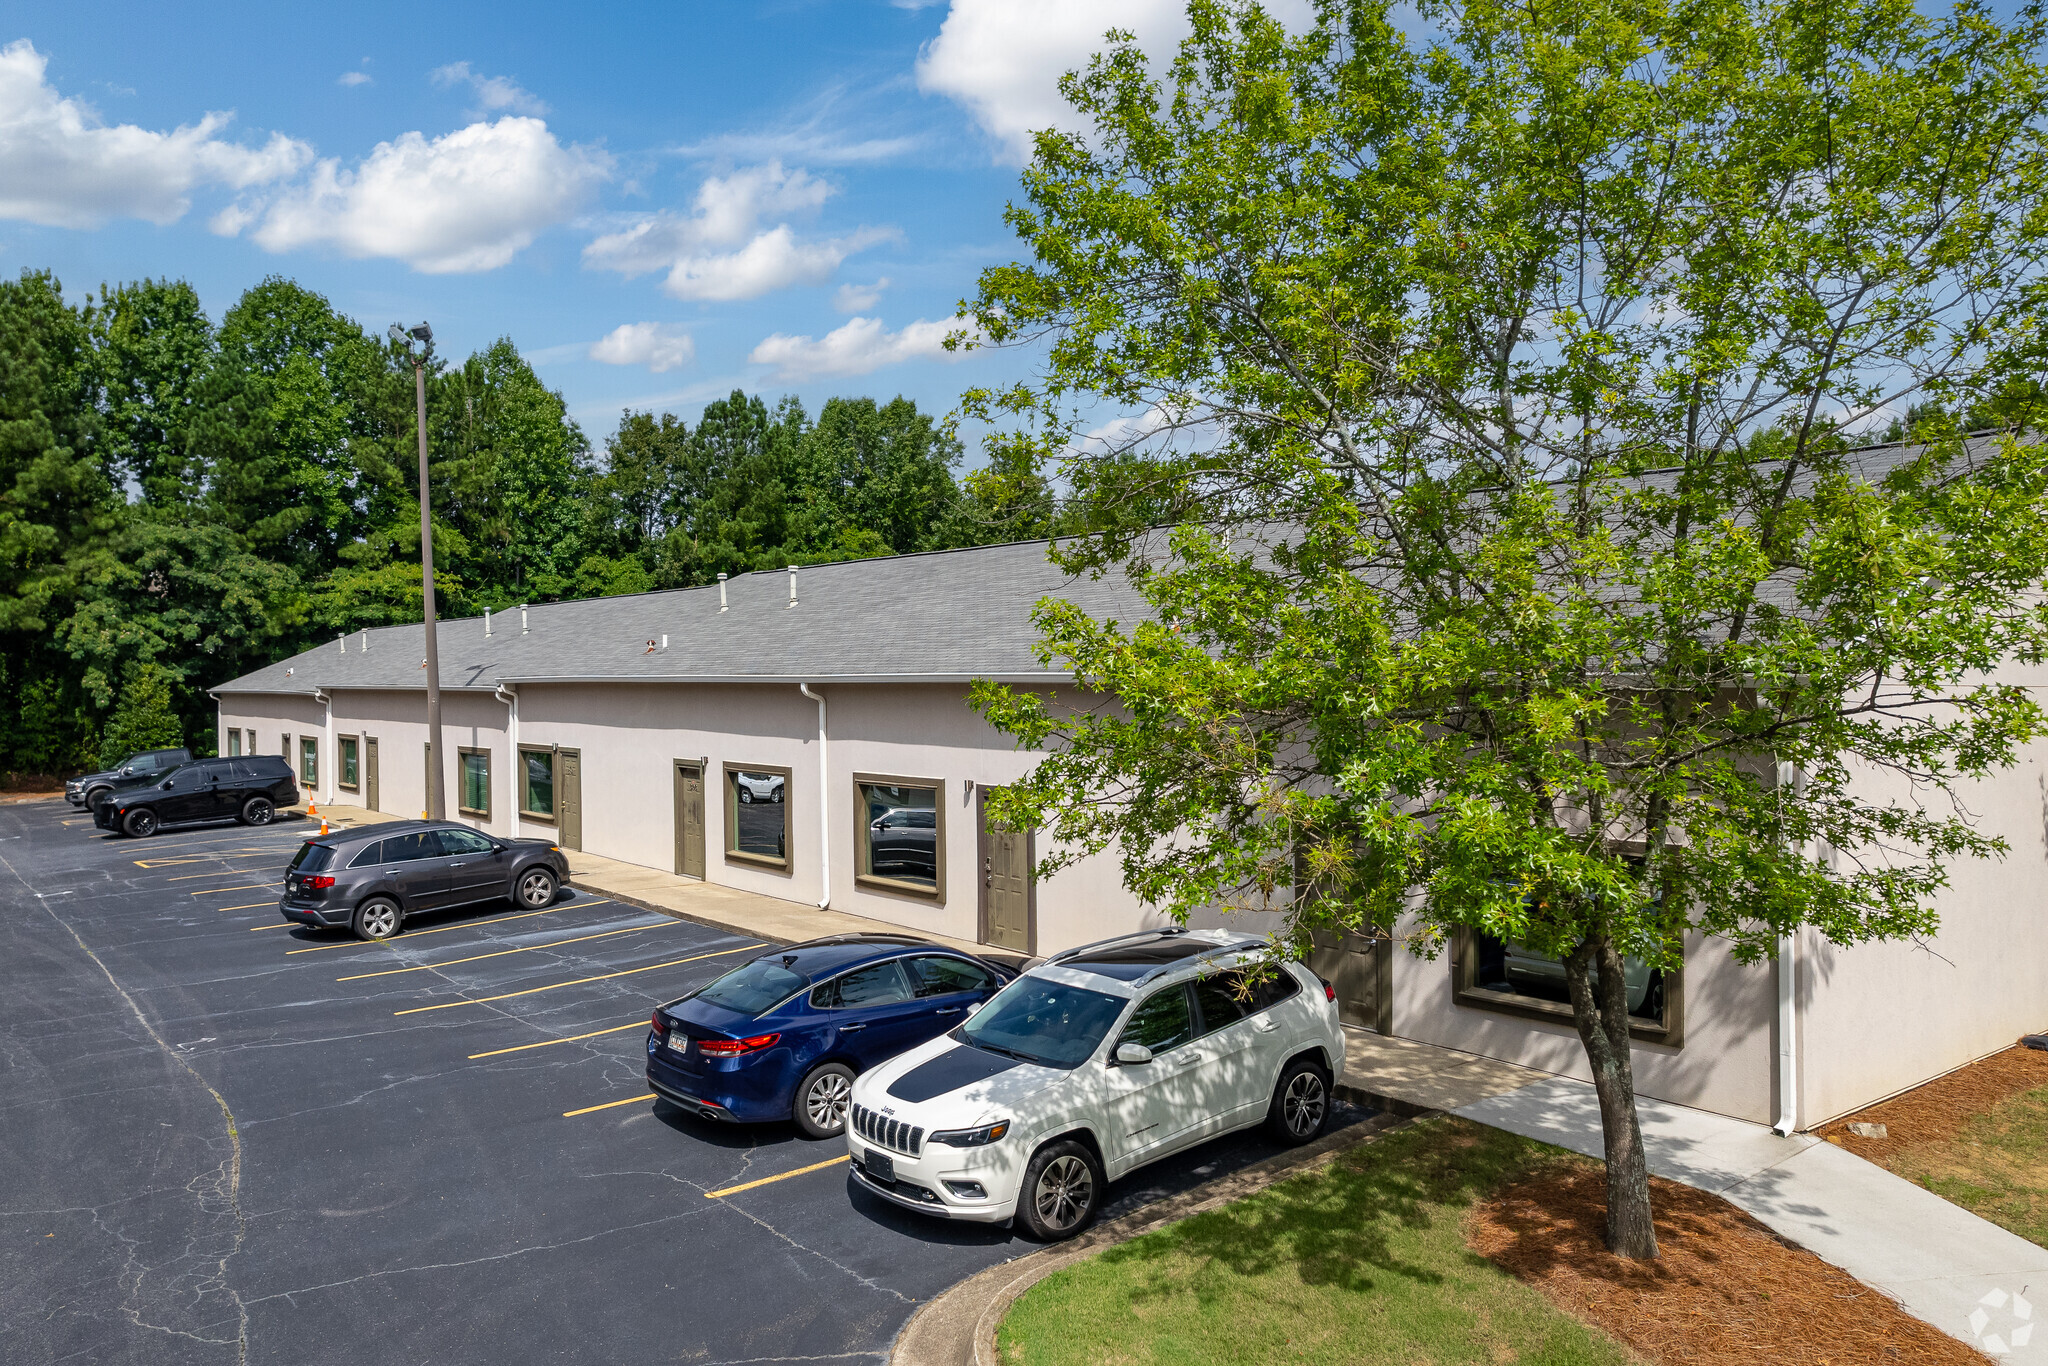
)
(437, 757)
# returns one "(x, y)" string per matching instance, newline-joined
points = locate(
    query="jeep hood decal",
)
(956, 1067)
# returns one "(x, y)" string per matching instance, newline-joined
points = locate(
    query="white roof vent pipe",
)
(487, 623)
(342, 641)
(523, 627)
(721, 592)
(792, 585)
(366, 640)
(664, 642)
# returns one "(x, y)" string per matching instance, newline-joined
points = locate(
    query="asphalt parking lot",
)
(227, 1139)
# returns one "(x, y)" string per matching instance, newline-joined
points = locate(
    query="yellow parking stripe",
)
(771, 1180)
(466, 925)
(530, 948)
(548, 1043)
(608, 1105)
(250, 907)
(238, 887)
(556, 986)
(218, 872)
(280, 925)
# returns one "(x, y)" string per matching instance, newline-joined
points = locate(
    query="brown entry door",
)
(569, 797)
(1353, 965)
(690, 819)
(1006, 891)
(370, 772)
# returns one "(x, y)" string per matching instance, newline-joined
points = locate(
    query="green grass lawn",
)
(1362, 1262)
(1996, 1167)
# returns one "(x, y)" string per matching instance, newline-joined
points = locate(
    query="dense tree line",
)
(183, 500)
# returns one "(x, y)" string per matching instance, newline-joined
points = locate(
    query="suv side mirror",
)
(165, 785)
(1133, 1054)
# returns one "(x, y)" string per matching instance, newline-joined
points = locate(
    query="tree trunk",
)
(1593, 973)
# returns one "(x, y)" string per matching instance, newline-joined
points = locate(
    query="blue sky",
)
(657, 202)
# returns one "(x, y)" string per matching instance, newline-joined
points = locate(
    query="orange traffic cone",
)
(323, 825)
(312, 809)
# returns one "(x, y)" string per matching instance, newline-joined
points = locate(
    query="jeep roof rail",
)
(1135, 936)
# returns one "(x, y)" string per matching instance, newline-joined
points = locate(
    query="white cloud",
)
(60, 166)
(1003, 60)
(861, 346)
(727, 214)
(852, 298)
(658, 346)
(464, 202)
(353, 78)
(494, 94)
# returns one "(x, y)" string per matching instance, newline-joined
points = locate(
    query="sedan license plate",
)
(678, 1041)
(879, 1166)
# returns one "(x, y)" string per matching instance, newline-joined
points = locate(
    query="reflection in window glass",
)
(539, 790)
(758, 816)
(1162, 1022)
(899, 840)
(1512, 970)
(476, 783)
(234, 742)
(348, 761)
(309, 767)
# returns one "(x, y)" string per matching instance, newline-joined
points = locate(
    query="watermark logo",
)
(2002, 1322)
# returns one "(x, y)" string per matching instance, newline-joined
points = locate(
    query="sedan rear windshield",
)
(1042, 1021)
(311, 858)
(754, 988)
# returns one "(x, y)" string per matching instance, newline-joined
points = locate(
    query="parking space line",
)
(547, 1043)
(250, 907)
(608, 1105)
(239, 887)
(280, 925)
(556, 986)
(530, 948)
(218, 872)
(771, 1180)
(444, 929)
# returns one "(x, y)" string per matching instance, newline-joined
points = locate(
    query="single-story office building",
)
(805, 735)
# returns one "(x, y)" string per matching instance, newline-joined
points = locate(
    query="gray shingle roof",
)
(944, 616)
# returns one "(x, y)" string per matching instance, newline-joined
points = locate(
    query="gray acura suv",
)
(371, 878)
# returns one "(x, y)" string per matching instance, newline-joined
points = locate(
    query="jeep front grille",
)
(887, 1133)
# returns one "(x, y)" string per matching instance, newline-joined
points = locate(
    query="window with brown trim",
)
(899, 834)
(347, 766)
(473, 781)
(1493, 974)
(757, 814)
(537, 782)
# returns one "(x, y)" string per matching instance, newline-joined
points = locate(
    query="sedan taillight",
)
(732, 1048)
(657, 1024)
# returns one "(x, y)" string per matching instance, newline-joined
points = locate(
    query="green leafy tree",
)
(145, 717)
(154, 346)
(1496, 377)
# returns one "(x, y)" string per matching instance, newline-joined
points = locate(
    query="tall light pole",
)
(437, 807)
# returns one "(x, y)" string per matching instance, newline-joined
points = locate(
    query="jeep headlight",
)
(972, 1138)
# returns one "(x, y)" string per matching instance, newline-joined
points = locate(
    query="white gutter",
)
(329, 761)
(511, 699)
(824, 806)
(1785, 965)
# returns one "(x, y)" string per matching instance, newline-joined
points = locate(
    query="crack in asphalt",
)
(220, 1192)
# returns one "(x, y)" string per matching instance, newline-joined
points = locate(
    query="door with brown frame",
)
(1009, 895)
(689, 818)
(370, 773)
(569, 797)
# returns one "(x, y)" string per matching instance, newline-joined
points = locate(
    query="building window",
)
(476, 781)
(234, 743)
(899, 836)
(757, 814)
(1495, 974)
(537, 791)
(347, 759)
(309, 761)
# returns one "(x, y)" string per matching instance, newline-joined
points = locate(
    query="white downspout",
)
(1786, 965)
(510, 697)
(327, 755)
(824, 789)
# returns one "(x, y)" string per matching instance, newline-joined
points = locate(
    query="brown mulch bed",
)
(1939, 1110)
(24, 785)
(1725, 1289)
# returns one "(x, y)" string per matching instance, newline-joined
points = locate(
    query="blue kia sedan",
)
(783, 1036)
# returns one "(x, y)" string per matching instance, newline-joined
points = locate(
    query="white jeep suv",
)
(1090, 1065)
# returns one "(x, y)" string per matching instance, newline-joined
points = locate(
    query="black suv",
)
(88, 788)
(248, 790)
(372, 877)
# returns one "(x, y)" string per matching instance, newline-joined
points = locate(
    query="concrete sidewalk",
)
(1940, 1262)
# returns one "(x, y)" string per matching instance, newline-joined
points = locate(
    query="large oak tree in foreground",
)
(1495, 367)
